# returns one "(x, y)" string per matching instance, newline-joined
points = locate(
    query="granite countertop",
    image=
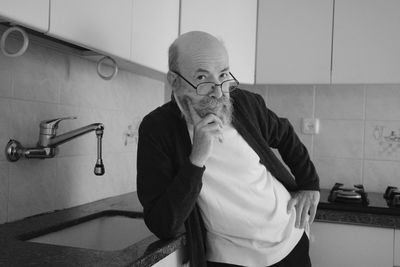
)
(15, 252)
(376, 214)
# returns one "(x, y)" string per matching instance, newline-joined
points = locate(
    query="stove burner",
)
(356, 195)
(392, 196)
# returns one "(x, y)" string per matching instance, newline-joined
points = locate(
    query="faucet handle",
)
(49, 127)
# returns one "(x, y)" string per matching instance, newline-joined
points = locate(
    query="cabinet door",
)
(335, 245)
(232, 21)
(366, 41)
(397, 248)
(294, 41)
(155, 26)
(100, 25)
(28, 13)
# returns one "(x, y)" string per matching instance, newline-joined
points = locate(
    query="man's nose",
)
(216, 91)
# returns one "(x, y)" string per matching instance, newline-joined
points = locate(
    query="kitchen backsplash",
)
(46, 83)
(359, 138)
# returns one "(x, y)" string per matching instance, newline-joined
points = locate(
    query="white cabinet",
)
(397, 248)
(172, 260)
(155, 26)
(366, 41)
(335, 245)
(100, 25)
(28, 13)
(232, 21)
(294, 41)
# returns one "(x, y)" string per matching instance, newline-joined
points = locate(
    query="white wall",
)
(354, 119)
(44, 84)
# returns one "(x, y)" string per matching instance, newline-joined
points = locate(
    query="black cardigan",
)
(168, 184)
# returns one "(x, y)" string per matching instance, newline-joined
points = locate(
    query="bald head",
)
(196, 49)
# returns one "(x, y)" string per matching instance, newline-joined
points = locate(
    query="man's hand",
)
(205, 131)
(305, 202)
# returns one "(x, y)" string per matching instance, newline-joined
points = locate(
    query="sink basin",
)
(104, 232)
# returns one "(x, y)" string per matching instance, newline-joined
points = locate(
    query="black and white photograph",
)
(200, 133)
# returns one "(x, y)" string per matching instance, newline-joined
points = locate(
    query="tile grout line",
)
(313, 115)
(364, 134)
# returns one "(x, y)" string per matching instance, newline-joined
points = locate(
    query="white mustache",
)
(212, 103)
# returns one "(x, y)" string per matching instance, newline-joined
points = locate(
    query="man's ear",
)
(172, 80)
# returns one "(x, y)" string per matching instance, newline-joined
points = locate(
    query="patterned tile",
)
(382, 140)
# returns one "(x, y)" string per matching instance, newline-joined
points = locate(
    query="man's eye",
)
(224, 75)
(201, 77)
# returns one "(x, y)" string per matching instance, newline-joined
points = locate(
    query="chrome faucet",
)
(47, 146)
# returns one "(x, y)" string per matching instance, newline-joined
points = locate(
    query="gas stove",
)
(355, 195)
(356, 198)
(392, 196)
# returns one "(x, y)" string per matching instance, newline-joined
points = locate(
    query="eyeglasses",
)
(205, 88)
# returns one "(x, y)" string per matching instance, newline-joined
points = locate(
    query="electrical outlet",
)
(310, 126)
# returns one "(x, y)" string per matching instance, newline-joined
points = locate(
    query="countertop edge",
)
(143, 253)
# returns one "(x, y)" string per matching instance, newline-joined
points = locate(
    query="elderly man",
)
(205, 167)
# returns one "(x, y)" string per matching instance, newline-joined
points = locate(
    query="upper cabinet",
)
(294, 41)
(232, 21)
(155, 26)
(28, 13)
(366, 41)
(100, 25)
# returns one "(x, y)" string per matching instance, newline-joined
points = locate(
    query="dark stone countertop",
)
(15, 252)
(376, 214)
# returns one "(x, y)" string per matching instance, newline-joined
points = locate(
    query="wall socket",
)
(310, 126)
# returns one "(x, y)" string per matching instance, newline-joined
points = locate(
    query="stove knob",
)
(389, 191)
(396, 200)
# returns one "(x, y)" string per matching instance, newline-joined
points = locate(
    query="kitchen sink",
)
(103, 231)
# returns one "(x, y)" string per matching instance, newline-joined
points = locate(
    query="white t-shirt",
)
(244, 207)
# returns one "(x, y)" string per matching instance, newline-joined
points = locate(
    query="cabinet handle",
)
(25, 43)
(115, 68)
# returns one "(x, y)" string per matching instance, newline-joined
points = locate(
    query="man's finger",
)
(313, 212)
(304, 214)
(211, 118)
(292, 202)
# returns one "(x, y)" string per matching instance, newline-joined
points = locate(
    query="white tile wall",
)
(294, 103)
(383, 102)
(354, 120)
(340, 138)
(339, 170)
(378, 174)
(32, 187)
(380, 140)
(5, 83)
(3, 191)
(339, 102)
(45, 84)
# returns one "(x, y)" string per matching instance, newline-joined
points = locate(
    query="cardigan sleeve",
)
(167, 195)
(281, 135)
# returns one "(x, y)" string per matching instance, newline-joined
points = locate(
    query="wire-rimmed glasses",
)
(205, 88)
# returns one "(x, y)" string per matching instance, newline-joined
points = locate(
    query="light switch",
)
(310, 126)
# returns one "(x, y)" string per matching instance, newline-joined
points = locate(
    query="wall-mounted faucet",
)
(49, 140)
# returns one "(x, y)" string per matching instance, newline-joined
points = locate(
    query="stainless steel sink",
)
(103, 232)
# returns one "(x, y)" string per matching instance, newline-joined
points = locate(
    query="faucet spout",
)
(49, 141)
(63, 138)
